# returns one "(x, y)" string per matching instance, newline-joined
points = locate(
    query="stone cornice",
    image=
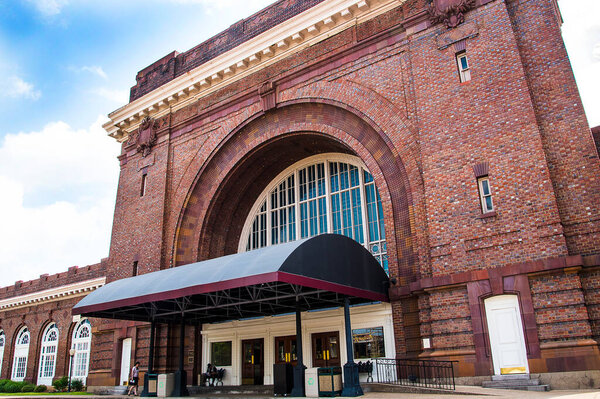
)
(312, 26)
(52, 294)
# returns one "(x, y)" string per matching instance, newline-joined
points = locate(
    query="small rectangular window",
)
(368, 343)
(135, 268)
(485, 194)
(220, 353)
(463, 66)
(143, 187)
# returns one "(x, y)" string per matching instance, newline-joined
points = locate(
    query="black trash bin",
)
(283, 379)
(330, 381)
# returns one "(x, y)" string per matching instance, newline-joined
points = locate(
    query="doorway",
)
(125, 361)
(285, 350)
(326, 349)
(507, 340)
(253, 362)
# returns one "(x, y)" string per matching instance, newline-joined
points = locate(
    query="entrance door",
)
(506, 335)
(125, 360)
(326, 349)
(252, 361)
(285, 350)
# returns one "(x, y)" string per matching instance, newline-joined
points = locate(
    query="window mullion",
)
(363, 206)
(328, 205)
(268, 227)
(297, 202)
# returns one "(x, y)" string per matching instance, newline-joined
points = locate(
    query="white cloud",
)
(117, 96)
(15, 87)
(93, 69)
(49, 8)
(57, 231)
(247, 7)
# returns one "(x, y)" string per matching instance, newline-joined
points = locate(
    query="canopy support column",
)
(180, 374)
(150, 360)
(298, 389)
(351, 382)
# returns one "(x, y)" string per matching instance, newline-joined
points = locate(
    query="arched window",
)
(82, 338)
(328, 193)
(21, 354)
(48, 355)
(2, 342)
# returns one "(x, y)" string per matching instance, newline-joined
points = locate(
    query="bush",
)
(61, 383)
(41, 388)
(28, 387)
(2, 383)
(14, 387)
(76, 385)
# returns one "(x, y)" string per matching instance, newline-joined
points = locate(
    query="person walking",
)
(134, 379)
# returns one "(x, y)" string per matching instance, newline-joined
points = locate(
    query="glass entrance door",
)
(252, 362)
(326, 349)
(285, 350)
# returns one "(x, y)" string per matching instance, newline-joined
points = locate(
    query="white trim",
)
(21, 351)
(45, 346)
(301, 31)
(2, 348)
(53, 294)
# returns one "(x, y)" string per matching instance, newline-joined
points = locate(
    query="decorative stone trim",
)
(53, 294)
(312, 26)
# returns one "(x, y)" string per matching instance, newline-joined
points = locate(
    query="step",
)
(255, 390)
(510, 383)
(505, 377)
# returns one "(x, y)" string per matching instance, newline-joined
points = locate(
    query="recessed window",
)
(368, 343)
(463, 66)
(143, 187)
(135, 268)
(220, 353)
(485, 194)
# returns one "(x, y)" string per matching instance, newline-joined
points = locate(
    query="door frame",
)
(125, 356)
(500, 302)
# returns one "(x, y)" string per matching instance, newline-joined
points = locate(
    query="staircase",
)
(523, 382)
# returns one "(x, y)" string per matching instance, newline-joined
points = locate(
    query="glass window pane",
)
(368, 343)
(220, 353)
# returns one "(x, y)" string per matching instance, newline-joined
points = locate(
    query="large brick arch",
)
(239, 169)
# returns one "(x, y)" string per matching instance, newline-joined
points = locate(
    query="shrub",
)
(13, 387)
(41, 388)
(2, 383)
(28, 387)
(76, 385)
(61, 383)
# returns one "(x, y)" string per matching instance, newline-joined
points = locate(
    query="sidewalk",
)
(466, 392)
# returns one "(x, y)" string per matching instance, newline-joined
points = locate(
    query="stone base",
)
(572, 379)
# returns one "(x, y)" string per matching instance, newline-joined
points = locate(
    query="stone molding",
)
(53, 294)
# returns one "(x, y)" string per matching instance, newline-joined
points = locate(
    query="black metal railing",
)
(419, 373)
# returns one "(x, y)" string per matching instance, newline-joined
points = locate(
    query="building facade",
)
(447, 137)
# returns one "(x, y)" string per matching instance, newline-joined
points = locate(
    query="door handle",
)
(327, 354)
(252, 359)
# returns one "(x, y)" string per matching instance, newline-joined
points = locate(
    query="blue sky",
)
(65, 64)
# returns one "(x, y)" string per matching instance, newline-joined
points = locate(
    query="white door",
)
(125, 360)
(506, 335)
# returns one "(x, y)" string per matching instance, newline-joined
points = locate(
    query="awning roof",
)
(320, 271)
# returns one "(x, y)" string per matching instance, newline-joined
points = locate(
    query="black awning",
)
(320, 271)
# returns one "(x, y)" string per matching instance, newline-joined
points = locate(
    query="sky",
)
(66, 64)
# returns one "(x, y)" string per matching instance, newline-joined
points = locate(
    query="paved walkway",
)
(467, 392)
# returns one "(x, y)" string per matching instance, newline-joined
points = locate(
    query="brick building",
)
(446, 137)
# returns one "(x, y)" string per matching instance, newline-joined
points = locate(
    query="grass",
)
(19, 394)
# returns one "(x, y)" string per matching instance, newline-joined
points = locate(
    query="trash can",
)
(311, 383)
(151, 384)
(283, 379)
(166, 384)
(330, 381)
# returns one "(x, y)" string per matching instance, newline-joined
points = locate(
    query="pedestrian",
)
(134, 379)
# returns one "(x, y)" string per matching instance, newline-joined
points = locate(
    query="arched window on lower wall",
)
(21, 354)
(327, 193)
(48, 355)
(2, 342)
(82, 339)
